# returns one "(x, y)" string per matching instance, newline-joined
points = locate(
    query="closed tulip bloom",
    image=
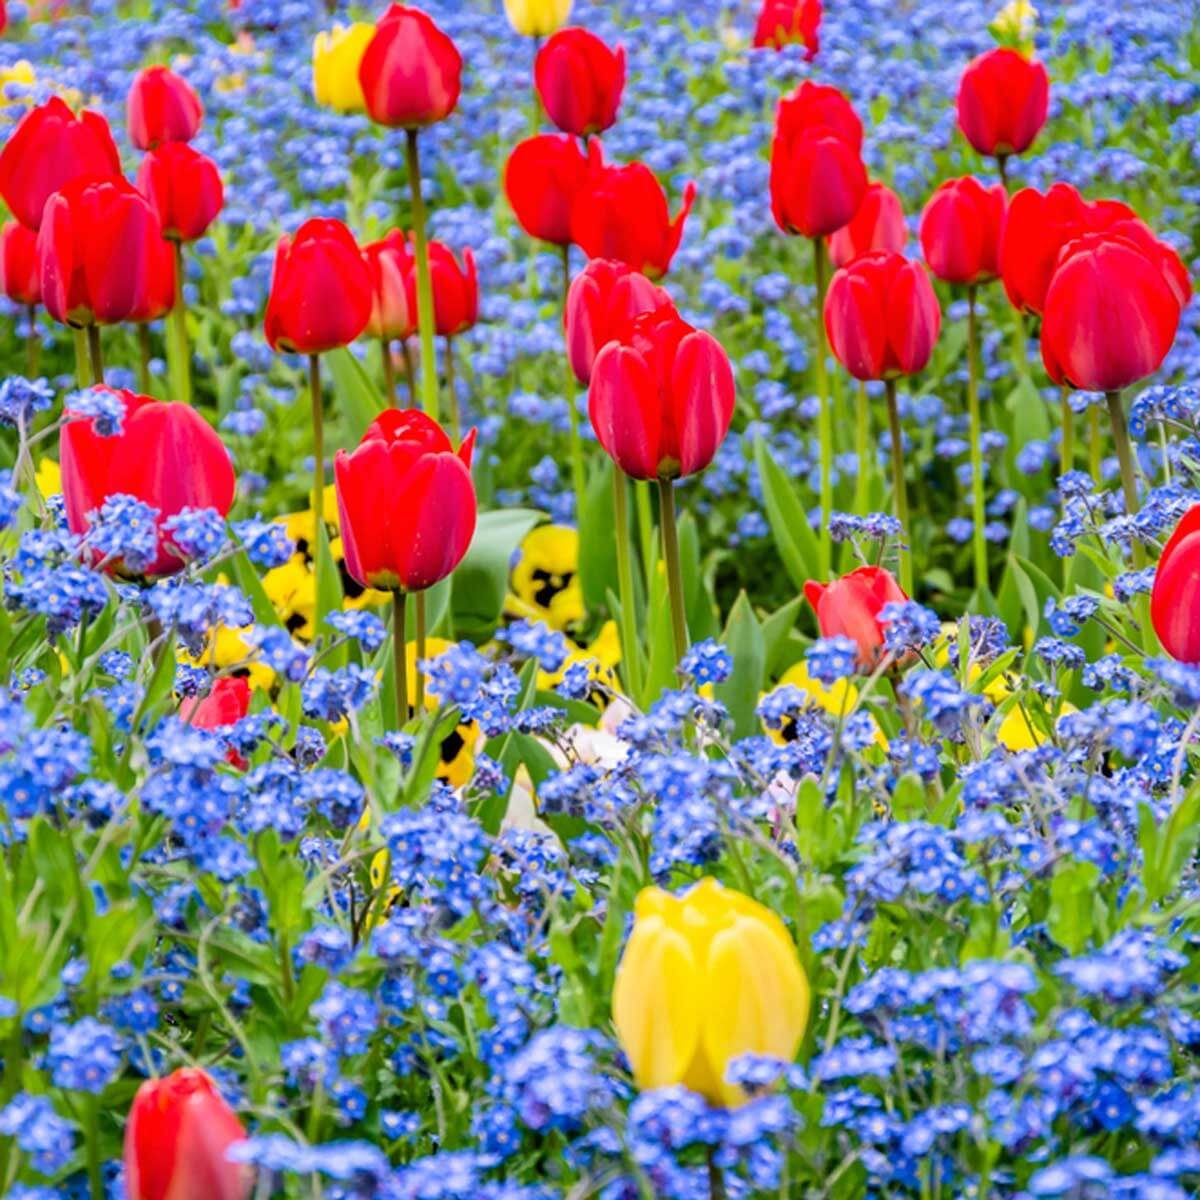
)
(542, 178)
(705, 978)
(817, 179)
(1112, 311)
(622, 213)
(1036, 228)
(406, 502)
(661, 400)
(162, 107)
(603, 301)
(788, 22)
(50, 148)
(227, 702)
(960, 231)
(580, 81)
(337, 56)
(20, 280)
(1175, 598)
(320, 290)
(393, 306)
(1002, 101)
(185, 188)
(166, 455)
(878, 225)
(537, 18)
(411, 72)
(850, 607)
(882, 316)
(455, 289)
(177, 1137)
(102, 254)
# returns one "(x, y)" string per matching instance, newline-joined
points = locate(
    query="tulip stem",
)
(900, 489)
(577, 476)
(631, 654)
(94, 1169)
(824, 412)
(670, 545)
(181, 366)
(641, 496)
(143, 338)
(1002, 165)
(978, 539)
(318, 492)
(452, 388)
(389, 373)
(716, 1177)
(425, 317)
(419, 605)
(400, 658)
(862, 450)
(33, 345)
(95, 353)
(410, 372)
(82, 373)
(1066, 461)
(1095, 443)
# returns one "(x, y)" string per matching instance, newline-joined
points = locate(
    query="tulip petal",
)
(433, 520)
(624, 408)
(702, 396)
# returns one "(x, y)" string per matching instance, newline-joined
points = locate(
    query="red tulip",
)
(406, 502)
(580, 81)
(102, 253)
(227, 702)
(166, 455)
(1112, 309)
(185, 188)
(1175, 598)
(393, 306)
(661, 400)
(50, 148)
(602, 303)
(878, 225)
(622, 213)
(411, 72)
(542, 178)
(455, 289)
(19, 277)
(850, 607)
(176, 1139)
(162, 107)
(783, 22)
(818, 180)
(882, 316)
(1002, 102)
(320, 290)
(960, 230)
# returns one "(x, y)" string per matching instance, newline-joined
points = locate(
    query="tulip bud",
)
(960, 231)
(162, 107)
(455, 290)
(50, 148)
(661, 400)
(537, 18)
(1003, 98)
(878, 225)
(227, 702)
(337, 56)
(705, 978)
(320, 290)
(406, 502)
(393, 301)
(185, 188)
(411, 72)
(542, 179)
(1175, 598)
(850, 607)
(19, 277)
(176, 1139)
(580, 80)
(787, 22)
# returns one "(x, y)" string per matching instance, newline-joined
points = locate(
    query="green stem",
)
(400, 658)
(862, 449)
(410, 371)
(389, 373)
(318, 492)
(641, 497)
(670, 545)
(95, 353)
(577, 476)
(33, 344)
(181, 357)
(94, 1165)
(716, 1177)
(1095, 443)
(978, 519)
(824, 413)
(425, 316)
(455, 421)
(900, 489)
(143, 339)
(419, 604)
(1002, 164)
(631, 653)
(83, 375)
(1067, 461)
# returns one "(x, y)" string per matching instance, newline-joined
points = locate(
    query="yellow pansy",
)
(537, 18)
(1018, 731)
(838, 699)
(336, 58)
(49, 478)
(705, 978)
(545, 580)
(292, 590)
(601, 659)
(229, 648)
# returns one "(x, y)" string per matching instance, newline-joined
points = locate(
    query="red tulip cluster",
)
(878, 225)
(786, 22)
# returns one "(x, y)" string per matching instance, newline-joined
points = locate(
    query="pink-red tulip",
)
(20, 279)
(177, 1137)
(850, 607)
(1175, 598)
(50, 148)
(542, 178)
(878, 225)
(162, 107)
(960, 231)
(411, 71)
(882, 316)
(1002, 101)
(406, 502)
(455, 289)
(185, 188)
(817, 180)
(580, 81)
(785, 22)
(166, 455)
(393, 305)
(661, 400)
(320, 290)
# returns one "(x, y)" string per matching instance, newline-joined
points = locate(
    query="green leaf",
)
(597, 537)
(697, 598)
(745, 642)
(358, 401)
(794, 537)
(1071, 915)
(776, 629)
(247, 580)
(480, 583)
(660, 673)
(329, 590)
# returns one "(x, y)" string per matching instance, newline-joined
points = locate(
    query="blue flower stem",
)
(630, 650)
(425, 315)
(824, 413)
(978, 520)
(181, 355)
(400, 658)
(670, 545)
(900, 489)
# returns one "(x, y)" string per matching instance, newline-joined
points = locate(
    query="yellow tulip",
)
(1015, 25)
(705, 978)
(537, 18)
(336, 58)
